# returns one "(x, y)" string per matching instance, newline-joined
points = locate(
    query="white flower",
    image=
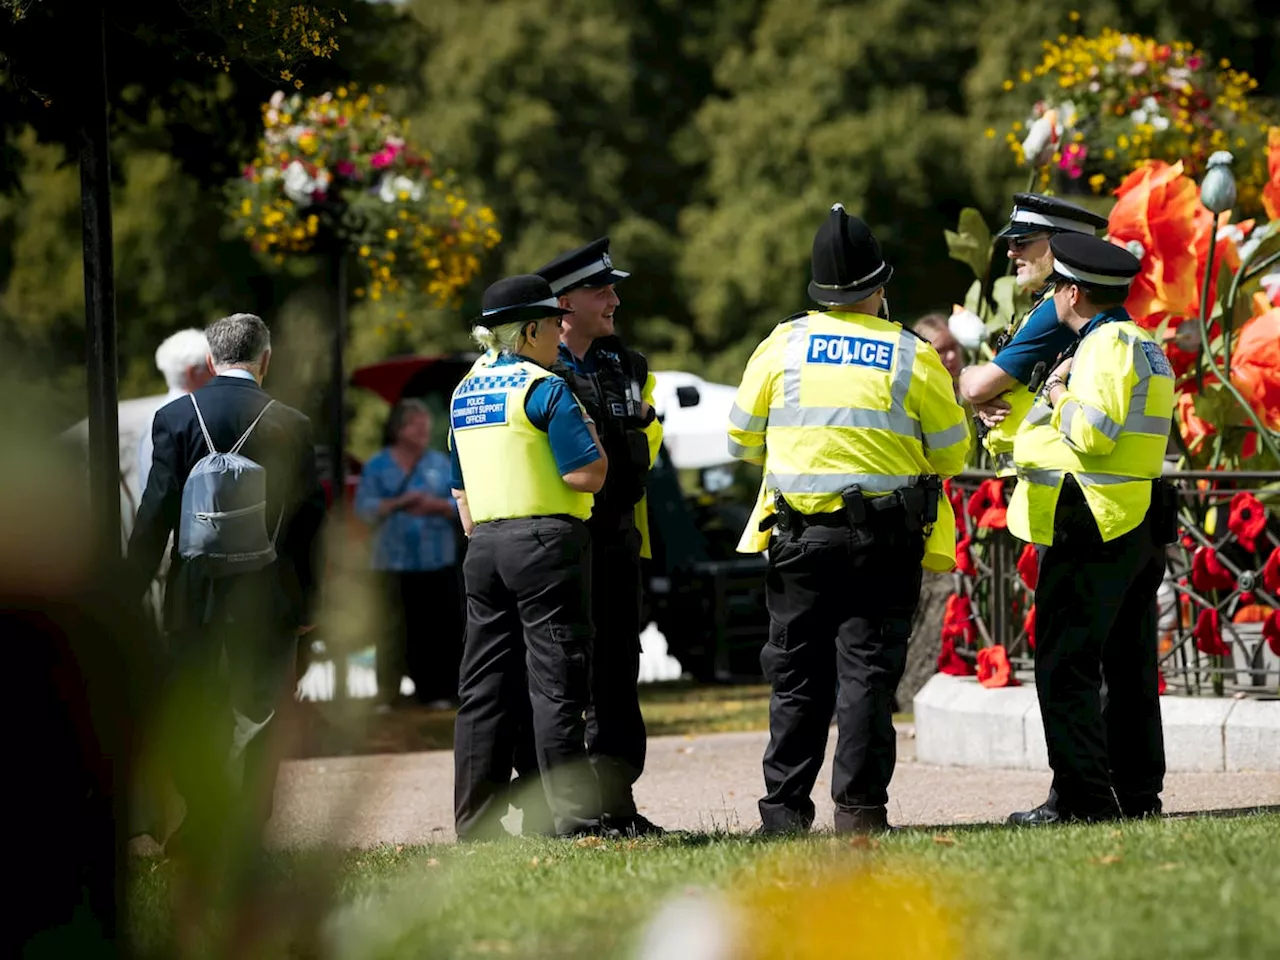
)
(1250, 246)
(298, 185)
(1231, 232)
(1136, 248)
(277, 98)
(390, 188)
(1041, 139)
(967, 327)
(1271, 284)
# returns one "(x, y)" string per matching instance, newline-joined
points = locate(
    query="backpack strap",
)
(240, 442)
(203, 429)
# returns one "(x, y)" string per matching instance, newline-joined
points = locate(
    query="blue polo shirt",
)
(550, 406)
(1041, 337)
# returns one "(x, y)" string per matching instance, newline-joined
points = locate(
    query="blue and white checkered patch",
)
(484, 382)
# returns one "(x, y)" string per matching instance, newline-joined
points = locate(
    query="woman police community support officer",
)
(526, 461)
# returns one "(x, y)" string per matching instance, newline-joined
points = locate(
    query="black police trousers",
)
(840, 601)
(616, 740)
(1096, 622)
(524, 661)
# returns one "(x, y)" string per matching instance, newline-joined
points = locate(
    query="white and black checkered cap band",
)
(1086, 276)
(1021, 215)
(549, 302)
(582, 273)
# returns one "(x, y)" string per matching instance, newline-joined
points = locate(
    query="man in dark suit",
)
(232, 639)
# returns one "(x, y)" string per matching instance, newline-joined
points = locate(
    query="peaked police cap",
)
(587, 266)
(1037, 213)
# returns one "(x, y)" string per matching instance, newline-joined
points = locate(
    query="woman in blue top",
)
(404, 495)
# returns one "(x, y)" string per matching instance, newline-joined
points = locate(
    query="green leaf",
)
(1217, 406)
(971, 242)
(1005, 292)
(973, 299)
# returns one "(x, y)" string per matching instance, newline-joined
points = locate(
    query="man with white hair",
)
(183, 359)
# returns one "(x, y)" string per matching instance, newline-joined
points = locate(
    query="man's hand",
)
(992, 412)
(1062, 370)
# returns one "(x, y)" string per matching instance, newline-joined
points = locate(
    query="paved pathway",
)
(694, 783)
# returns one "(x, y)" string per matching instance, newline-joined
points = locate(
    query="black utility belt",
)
(885, 506)
(917, 506)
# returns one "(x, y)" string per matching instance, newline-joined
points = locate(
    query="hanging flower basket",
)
(339, 165)
(1100, 106)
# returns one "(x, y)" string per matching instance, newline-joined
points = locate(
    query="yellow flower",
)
(393, 233)
(1096, 182)
(1007, 85)
(1017, 126)
(246, 207)
(364, 251)
(286, 75)
(990, 133)
(1074, 16)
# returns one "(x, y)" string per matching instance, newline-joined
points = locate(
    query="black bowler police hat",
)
(847, 263)
(587, 266)
(1036, 213)
(1079, 258)
(520, 298)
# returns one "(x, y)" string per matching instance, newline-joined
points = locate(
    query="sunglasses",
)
(1021, 243)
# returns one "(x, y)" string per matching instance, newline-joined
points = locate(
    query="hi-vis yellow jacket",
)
(652, 432)
(1109, 430)
(507, 461)
(999, 439)
(833, 399)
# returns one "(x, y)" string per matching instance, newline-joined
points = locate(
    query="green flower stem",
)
(1243, 275)
(1206, 353)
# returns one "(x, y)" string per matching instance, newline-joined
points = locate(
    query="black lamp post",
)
(99, 288)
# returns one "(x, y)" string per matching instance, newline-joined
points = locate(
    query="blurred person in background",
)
(934, 328)
(404, 497)
(232, 638)
(183, 359)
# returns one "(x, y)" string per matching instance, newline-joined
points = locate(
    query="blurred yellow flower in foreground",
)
(810, 907)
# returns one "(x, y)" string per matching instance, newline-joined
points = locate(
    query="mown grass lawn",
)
(1173, 890)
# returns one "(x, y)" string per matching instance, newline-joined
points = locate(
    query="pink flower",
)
(1194, 63)
(248, 172)
(387, 155)
(345, 168)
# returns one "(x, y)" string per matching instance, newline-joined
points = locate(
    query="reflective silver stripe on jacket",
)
(1051, 478)
(1136, 421)
(836, 482)
(740, 452)
(746, 421)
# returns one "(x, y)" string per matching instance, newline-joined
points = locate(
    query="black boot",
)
(636, 825)
(862, 820)
(1140, 807)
